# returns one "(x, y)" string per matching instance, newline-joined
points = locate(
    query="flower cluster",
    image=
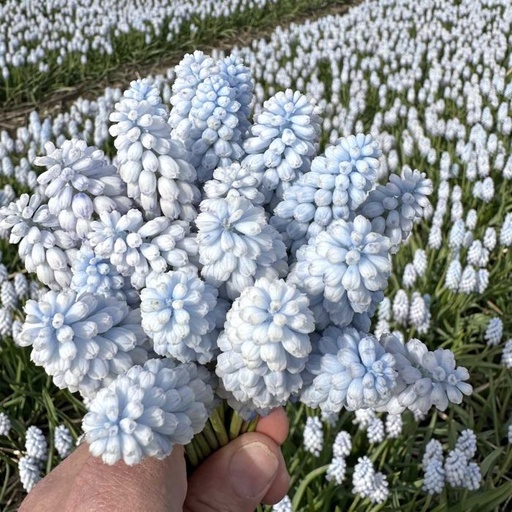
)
(237, 264)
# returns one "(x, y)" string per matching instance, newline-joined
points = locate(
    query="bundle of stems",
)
(223, 426)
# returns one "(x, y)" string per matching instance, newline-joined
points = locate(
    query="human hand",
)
(236, 478)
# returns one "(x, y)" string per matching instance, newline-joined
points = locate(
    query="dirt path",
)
(60, 100)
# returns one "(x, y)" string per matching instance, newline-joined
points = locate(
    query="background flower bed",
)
(331, 60)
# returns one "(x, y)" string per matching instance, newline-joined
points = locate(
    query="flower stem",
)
(203, 444)
(193, 458)
(210, 436)
(235, 425)
(217, 421)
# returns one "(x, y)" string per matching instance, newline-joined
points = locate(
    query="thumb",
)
(238, 477)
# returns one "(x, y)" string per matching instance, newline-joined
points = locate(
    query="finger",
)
(153, 485)
(279, 487)
(275, 425)
(237, 477)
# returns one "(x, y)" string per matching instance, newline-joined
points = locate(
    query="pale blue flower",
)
(455, 467)
(490, 238)
(82, 342)
(63, 441)
(30, 470)
(236, 245)
(434, 480)
(466, 443)
(394, 425)
(347, 265)
(136, 247)
(21, 286)
(313, 436)
(35, 443)
(79, 182)
(95, 275)
(285, 505)
(41, 245)
(5, 424)
(342, 445)
(265, 344)
(8, 295)
(235, 177)
(506, 356)
(468, 280)
(146, 411)
(425, 378)
(156, 168)
(395, 207)
(494, 331)
(350, 370)
(283, 141)
(453, 275)
(506, 231)
(178, 315)
(336, 471)
(375, 432)
(335, 186)
(457, 232)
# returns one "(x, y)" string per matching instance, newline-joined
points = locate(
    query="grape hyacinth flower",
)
(453, 275)
(178, 314)
(376, 431)
(394, 208)
(336, 471)
(82, 342)
(35, 443)
(435, 475)
(494, 331)
(506, 357)
(156, 168)
(21, 286)
(265, 344)
(401, 307)
(455, 467)
(5, 424)
(146, 411)
(136, 247)
(30, 470)
(335, 186)
(63, 441)
(42, 246)
(282, 141)
(78, 183)
(235, 177)
(346, 265)
(342, 444)
(394, 426)
(285, 505)
(313, 436)
(351, 370)
(369, 484)
(425, 378)
(236, 245)
(466, 443)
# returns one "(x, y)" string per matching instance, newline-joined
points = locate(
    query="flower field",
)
(417, 415)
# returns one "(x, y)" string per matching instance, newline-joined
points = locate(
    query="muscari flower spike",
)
(347, 266)
(348, 369)
(146, 411)
(82, 342)
(395, 207)
(42, 246)
(283, 140)
(265, 344)
(136, 247)
(156, 168)
(92, 274)
(236, 245)
(335, 186)
(425, 378)
(63, 441)
(79, 183)
(178, 315)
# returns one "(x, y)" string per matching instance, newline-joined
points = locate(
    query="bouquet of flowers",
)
(218, 268)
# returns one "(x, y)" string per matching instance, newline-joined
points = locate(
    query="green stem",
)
(193, 458)
(210, 436)
(219, 428)
(203, 444)
(235, 425)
